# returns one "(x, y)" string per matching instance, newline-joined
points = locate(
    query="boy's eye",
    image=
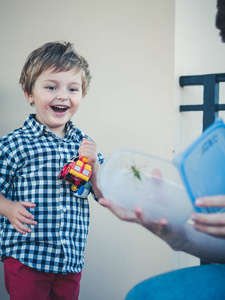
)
(51, 88)
(73, 89)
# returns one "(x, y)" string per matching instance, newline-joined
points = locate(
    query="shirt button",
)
(64, 209)
(63, 241)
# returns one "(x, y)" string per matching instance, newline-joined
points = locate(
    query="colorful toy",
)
(77, 172)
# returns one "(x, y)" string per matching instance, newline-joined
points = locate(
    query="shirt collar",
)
(33, 129)
(70, 130)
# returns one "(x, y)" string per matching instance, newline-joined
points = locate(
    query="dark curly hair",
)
(220, 18)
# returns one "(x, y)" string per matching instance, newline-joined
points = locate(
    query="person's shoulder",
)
(12, 137)
(80, 134)
(77, 133)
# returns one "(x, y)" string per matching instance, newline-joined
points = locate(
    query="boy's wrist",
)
(95, 166)
(5, 206)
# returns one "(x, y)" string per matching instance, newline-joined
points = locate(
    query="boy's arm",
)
(89, 149)
(17, 213)
(93, 180)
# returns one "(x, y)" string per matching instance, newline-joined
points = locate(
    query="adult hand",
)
(121, 213)
(174, 235)
(210, 223)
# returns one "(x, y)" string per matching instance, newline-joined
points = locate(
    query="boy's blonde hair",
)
(59, 56)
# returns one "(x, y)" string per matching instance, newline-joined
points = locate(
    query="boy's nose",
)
(62, 94)
(63, 98)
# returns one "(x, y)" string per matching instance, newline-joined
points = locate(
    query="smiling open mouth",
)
(59, 108)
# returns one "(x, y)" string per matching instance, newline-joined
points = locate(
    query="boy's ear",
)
(29, 97)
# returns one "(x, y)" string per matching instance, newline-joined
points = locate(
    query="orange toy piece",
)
(81, 169)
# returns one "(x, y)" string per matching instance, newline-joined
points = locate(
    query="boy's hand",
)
(18, 215)
(88, 149)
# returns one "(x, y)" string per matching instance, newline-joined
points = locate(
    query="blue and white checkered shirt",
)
(31, 158)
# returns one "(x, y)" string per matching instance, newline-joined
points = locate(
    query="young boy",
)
(44, 224)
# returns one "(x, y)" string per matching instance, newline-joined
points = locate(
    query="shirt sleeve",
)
(8, 168)
(101, 159)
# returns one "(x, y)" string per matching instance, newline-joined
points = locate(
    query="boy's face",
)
(56, 97)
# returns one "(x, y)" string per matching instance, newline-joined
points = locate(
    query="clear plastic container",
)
(129, 178)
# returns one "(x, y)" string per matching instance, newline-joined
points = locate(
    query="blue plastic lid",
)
(202, 165)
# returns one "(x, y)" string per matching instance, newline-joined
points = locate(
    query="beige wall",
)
(136, 53)
(198, 50)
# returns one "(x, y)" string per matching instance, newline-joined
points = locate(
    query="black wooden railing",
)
(210, 106)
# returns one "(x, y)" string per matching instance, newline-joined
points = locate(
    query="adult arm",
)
(179, 237)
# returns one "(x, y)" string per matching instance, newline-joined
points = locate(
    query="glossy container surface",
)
(129, 178)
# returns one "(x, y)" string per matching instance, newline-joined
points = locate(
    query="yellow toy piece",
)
(74, 188)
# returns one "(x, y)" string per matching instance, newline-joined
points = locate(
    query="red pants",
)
(25, 283)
